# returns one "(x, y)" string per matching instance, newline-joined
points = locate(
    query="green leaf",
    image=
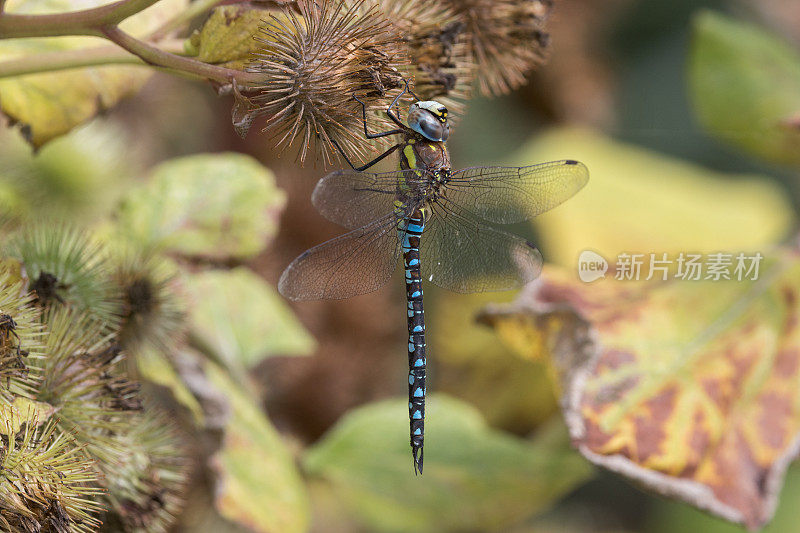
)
(242, 319)
(155, 368)
(48, 105)
(258, 483)
(475, 479)
(745, 86)
(218, 206)
(23, 411)
(227, 35)
(15, 272)
(11, 203)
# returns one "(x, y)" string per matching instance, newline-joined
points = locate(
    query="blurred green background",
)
(675, 167)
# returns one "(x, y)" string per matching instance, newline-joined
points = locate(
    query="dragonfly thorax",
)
(423, 154)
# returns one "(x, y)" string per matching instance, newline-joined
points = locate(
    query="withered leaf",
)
(688, 388)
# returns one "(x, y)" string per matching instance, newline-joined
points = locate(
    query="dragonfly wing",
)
(506, 195)
(357, 262)
(353, 199)
(462, 255)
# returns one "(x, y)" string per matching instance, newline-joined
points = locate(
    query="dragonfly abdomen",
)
(410, 236)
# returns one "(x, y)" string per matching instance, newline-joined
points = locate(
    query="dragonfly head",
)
(429, 119)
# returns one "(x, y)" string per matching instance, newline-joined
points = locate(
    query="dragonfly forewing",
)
(353, 199)
(507, 195)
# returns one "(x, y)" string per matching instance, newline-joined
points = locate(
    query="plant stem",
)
(159, 58)
(67, 59)
(102, 22)
(53, 61)
(85, 22)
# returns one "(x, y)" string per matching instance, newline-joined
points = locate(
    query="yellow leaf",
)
(13, 414)
(51, 104)
(472, 363)
(688, 387)
(227, 37)
(640, 201)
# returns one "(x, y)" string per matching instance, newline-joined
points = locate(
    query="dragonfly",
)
(441, 222)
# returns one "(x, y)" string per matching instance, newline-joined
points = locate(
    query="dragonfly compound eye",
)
(430, 120)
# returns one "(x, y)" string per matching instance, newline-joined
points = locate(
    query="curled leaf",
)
(689, 388)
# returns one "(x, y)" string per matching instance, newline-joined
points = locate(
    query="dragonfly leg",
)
(364, 119)
(403, 128)
(366, 165)
(389, 112)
